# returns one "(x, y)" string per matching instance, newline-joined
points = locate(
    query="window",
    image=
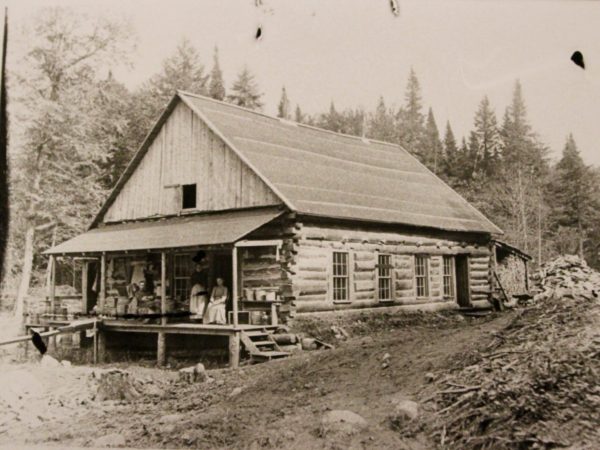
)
(188, 197)
(422, 275)
(181, 275)
(340, 276)
(384, 277)
(449, 276)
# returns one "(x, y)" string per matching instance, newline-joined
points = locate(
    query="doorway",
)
(463, 296)
(223, 268)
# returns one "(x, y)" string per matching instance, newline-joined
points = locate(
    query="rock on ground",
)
(342, 422)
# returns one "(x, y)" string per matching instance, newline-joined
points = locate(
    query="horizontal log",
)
(480, 290)
(365, 285)
(328, 305)
(403, 284)
(364, 265)
(367, 275)
(364, 256)
(312, 290)
(404, 293)
(320, 276)
(311, 268)
(365, 295)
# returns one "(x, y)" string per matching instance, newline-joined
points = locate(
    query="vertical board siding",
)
(312, 272)
(185, 151)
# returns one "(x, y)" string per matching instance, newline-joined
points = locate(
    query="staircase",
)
(261, 346)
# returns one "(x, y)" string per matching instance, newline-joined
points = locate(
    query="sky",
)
(353, 51)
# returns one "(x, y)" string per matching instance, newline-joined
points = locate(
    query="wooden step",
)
(263, 343)
(268, 355)
(257, 333)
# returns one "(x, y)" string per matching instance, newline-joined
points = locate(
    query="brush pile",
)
(536, 384)
(567, 276)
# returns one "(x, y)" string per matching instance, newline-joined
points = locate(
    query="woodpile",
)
(566, 276)
(536, 384)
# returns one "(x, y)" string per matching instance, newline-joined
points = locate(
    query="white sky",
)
(353, 51)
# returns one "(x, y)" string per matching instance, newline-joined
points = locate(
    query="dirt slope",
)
(281, 403)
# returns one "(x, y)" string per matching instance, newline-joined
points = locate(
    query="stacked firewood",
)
(535, 385)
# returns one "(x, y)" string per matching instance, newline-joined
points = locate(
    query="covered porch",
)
(115, 260)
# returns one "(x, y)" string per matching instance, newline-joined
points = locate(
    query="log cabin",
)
(293, 218)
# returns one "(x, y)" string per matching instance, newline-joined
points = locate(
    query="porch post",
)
(102, 282)
(234, 350)
(162, 337)
(235, 286)
(52, 287)
(84, 287)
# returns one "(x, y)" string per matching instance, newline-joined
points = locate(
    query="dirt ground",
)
(280, 404)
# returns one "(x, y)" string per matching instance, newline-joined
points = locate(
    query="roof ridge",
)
(300, 124)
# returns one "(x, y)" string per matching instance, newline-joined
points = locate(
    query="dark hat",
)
(199, 257)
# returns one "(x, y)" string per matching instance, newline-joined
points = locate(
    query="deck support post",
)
(234, 350)
(84, 286)
(161, 345)
(102, 283)
(235, 289)
(101, 342)
(95, 343)
(52, 286)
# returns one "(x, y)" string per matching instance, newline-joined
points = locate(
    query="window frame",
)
(189, 208)
(390, 276)
(185, 277)
(424, 276)
(345, 277)
(450, 276)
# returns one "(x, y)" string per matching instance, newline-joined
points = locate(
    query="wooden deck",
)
(133, 326)
(137, 326)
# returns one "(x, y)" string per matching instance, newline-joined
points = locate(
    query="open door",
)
(463, 296)
(223, 267)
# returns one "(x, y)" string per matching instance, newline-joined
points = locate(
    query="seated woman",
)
(216, 306)
(198, 301)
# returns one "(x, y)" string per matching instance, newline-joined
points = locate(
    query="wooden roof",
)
(174, 232)
(325, 174)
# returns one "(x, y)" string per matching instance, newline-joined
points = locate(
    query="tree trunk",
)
(580, 235)
(25, 273)
(522, 208)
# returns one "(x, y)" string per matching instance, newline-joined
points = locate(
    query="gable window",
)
(188, 196)
(422, 275)
(384, 277)
(340, 276)
(449, 276)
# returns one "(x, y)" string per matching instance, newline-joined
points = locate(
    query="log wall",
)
(312, 266)
(185, 151)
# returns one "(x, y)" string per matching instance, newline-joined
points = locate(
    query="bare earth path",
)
(281, 403)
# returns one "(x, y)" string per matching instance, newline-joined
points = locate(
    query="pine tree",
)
(486, 139)
(410, 117)
(450, 154)
(216, 87)
(283, 109)
(181, 71)
(382, 124)
(244, 91)
(298, 115)
(573, 197)
(332, 120)
(432, 146)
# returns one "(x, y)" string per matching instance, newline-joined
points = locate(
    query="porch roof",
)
(189, 231)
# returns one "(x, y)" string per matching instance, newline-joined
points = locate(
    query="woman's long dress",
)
(198, 301)
(216, 307)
